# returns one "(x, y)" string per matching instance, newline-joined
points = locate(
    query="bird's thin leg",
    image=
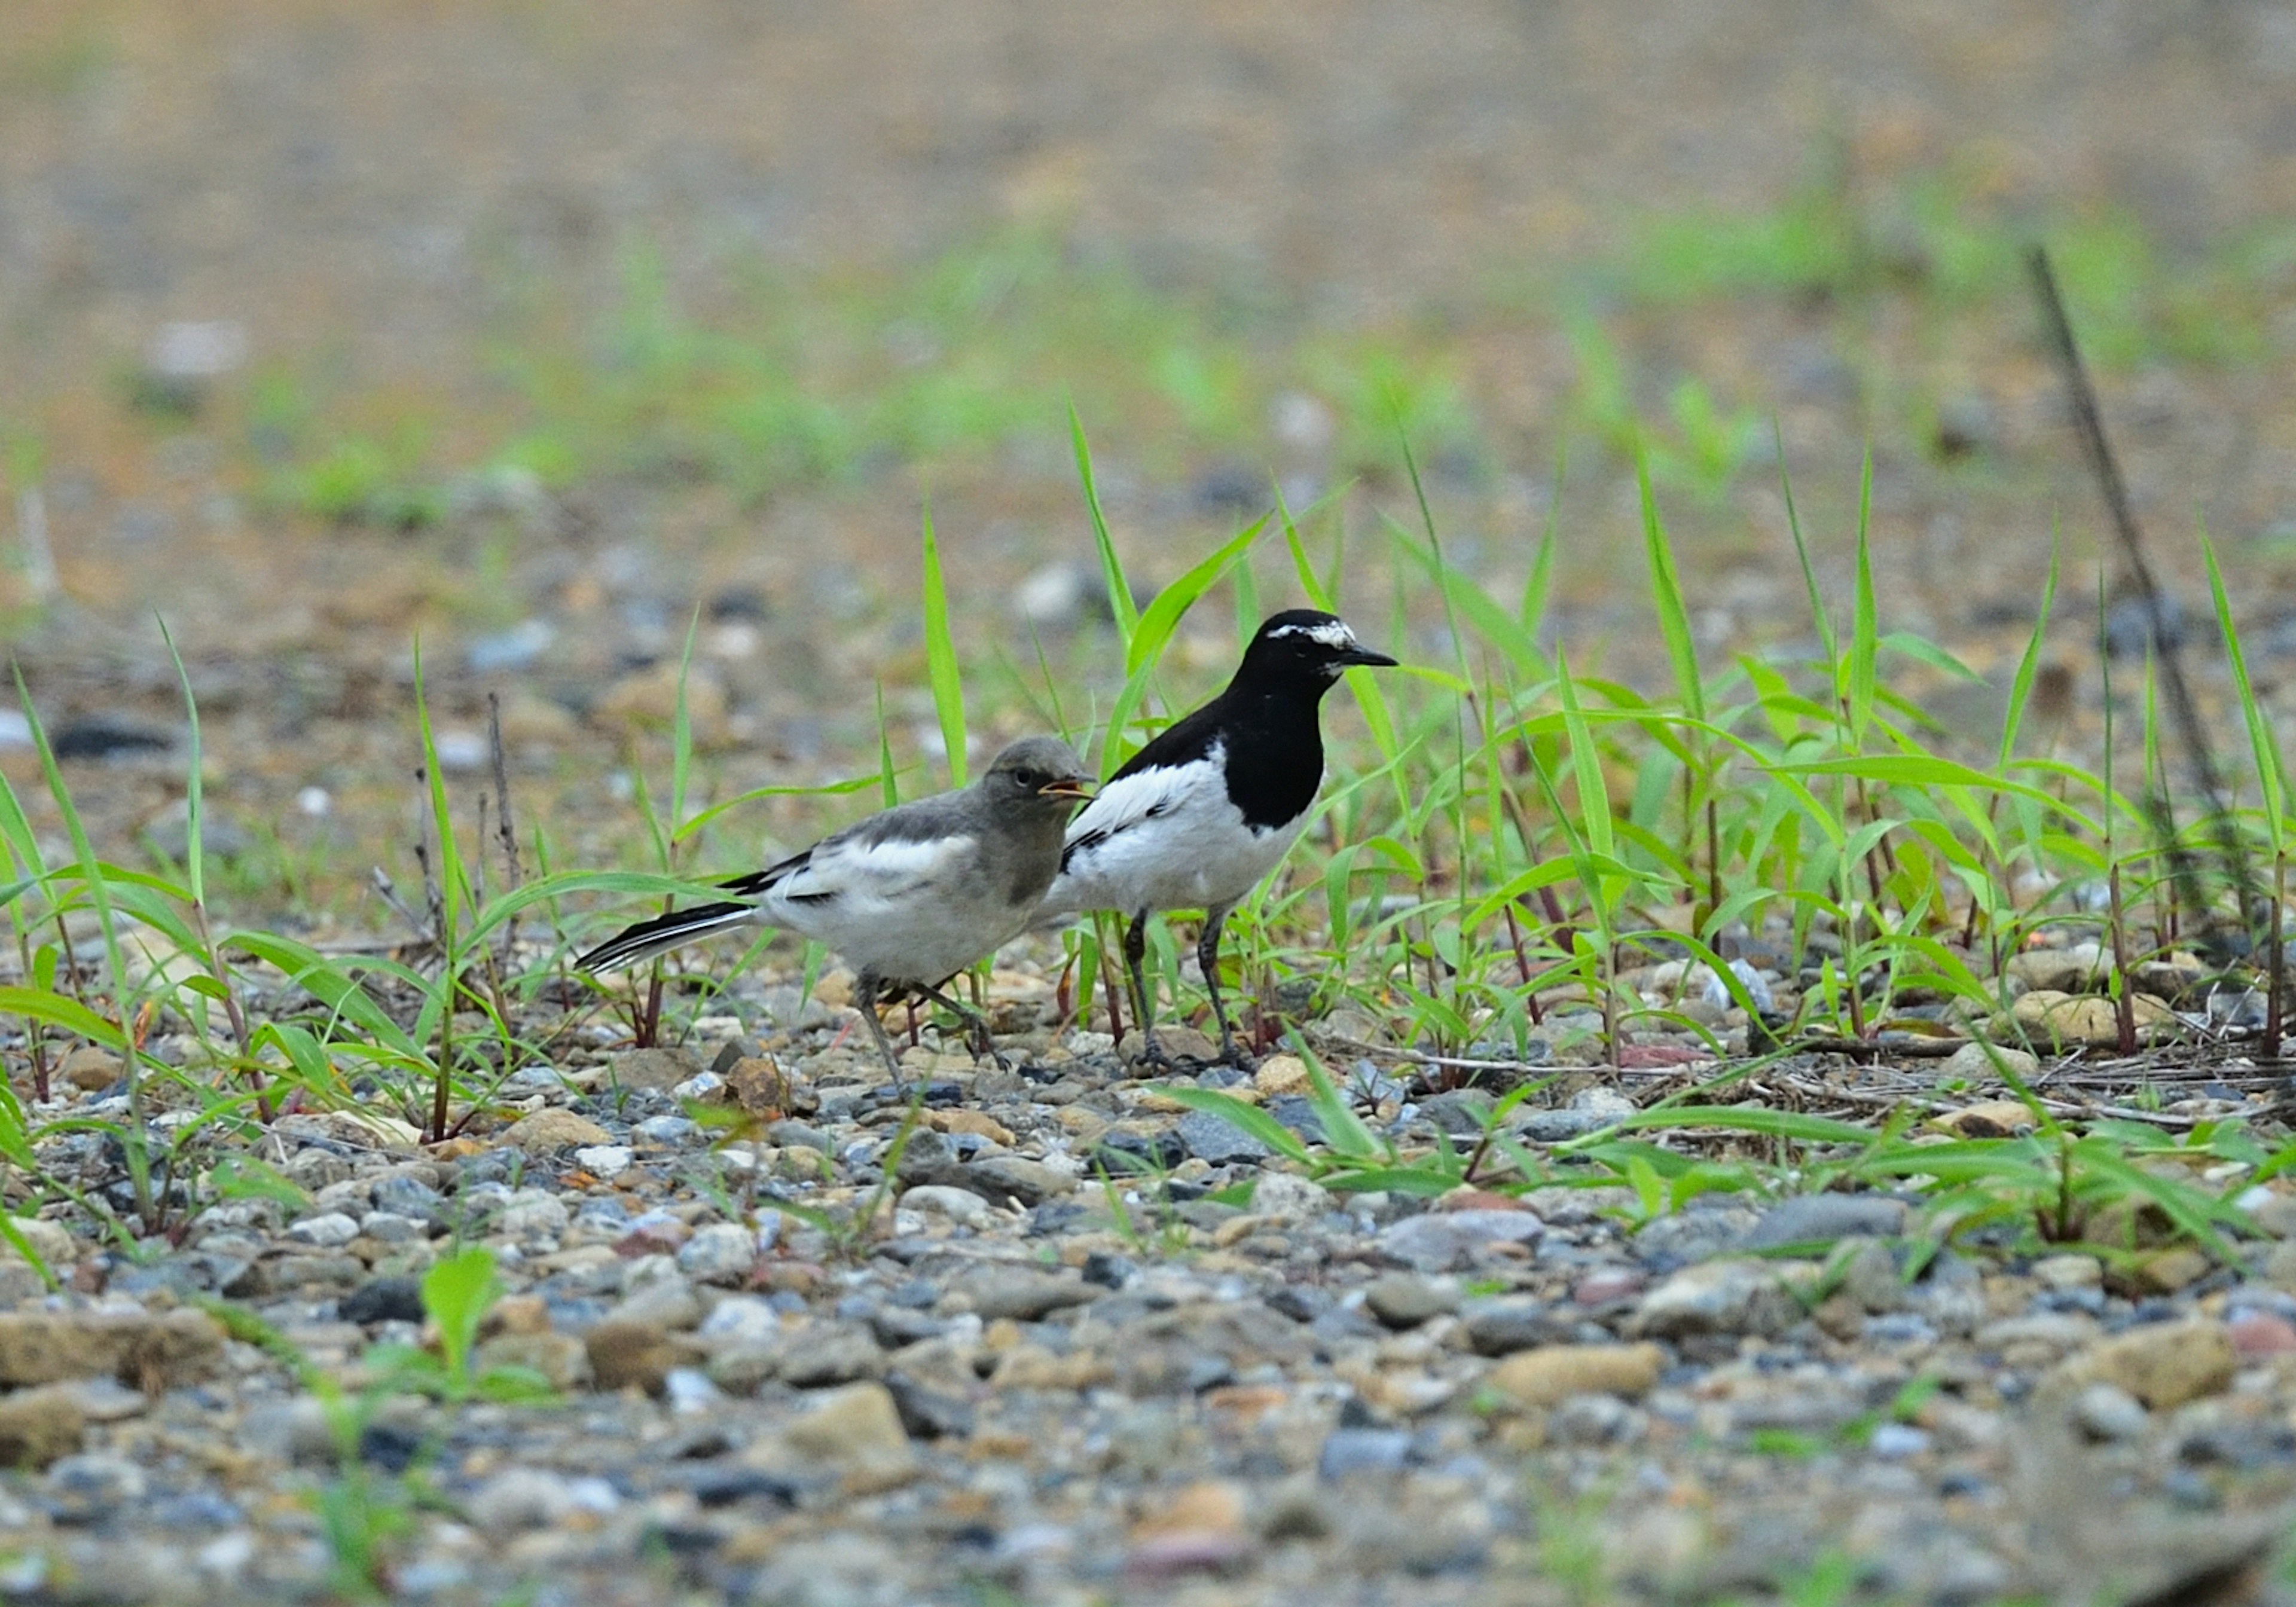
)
(1207, 959)
(1135, 956)
(866, 997)
(976, 1027)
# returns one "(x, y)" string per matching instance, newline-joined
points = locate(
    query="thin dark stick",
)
(2089, 422)
(504, 827)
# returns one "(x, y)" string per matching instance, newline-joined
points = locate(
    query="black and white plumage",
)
(910, 897)
(1194, 819)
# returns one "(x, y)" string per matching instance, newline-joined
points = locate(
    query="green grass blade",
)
(1666, 592)
(1247, 1119)
(940, 659)
(1864, 631)
(2263, 744)
(1121, 606)
(1163, 615)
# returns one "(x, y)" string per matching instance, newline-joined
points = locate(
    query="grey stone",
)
(1463, 1112)
(1594, 1419)
(740, 1319)
(799, 1134)
(1822, 1218)
(1438, 1241)
(521, 1498)
(658, 1069)
(329, 1231)
(723, 1253)
(1721, 1297)
(1000, 1179)
(1353, 1451)
(388, 1227)
(1704, 1228)
(1404, 1299)
(392, 1300)
(92, 1486)
(1288, 1197)
(1211, 1139)
(1506, 1324)
(532, 1213)
(961, 1206)
(1028, 1296)
(819, 1357)
(2107, 1411)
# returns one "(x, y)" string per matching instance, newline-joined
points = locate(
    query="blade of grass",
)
(940, 659)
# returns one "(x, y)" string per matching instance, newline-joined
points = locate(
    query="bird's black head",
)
(1038, 768)
(1303, 646)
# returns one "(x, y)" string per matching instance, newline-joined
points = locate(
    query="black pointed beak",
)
(1366, 657)
(1077, 787)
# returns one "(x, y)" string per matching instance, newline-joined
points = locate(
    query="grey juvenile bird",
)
(1194, 819)
(910, 897)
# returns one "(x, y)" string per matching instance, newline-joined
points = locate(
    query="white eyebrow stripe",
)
(1333, 634)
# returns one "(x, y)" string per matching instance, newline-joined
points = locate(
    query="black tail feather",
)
(663, 933)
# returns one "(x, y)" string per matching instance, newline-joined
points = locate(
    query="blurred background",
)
(539, 327)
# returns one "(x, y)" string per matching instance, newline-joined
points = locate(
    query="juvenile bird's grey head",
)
(1038, 773)
(1305, 646)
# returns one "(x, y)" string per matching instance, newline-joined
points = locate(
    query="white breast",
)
(1166, 839)
(910, 912)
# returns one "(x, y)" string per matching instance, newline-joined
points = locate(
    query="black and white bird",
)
(1194, 819)
(910, 897)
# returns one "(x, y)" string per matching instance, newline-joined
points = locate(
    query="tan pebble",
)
(1550, 1374)
(561, 1360)
(1215, 1504)
(51, 1241)
(519, 1314)
(89, 1069)
(2163, 1365)
(857, 1431)
(971, 1121)
(549, 1130)
(143, 1350)
(624, 1353)
(1027, 1366)
(1281, 1074)
(761, 1086)
(2086, 1019)
(1992, 1118)
(1236, 1229)
(38, 1426)
(1080, 1123)
(2169, 1270)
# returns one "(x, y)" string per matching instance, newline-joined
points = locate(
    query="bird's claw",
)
(1233, 1054)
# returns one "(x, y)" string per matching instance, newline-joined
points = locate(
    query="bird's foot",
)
(1234, 1053)
(1153, 1056)
(983, 1043)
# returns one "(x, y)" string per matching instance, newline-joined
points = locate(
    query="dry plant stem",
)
(36, 1041)
(2124, 999)
(2089, 422)
(2277, 963)
(388, 891)
(514, 872)
(233, 1011)
(1109, 988)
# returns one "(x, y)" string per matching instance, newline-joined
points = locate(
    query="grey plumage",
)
(910, 897)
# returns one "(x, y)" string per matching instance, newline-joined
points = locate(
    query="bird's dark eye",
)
(1033, 780)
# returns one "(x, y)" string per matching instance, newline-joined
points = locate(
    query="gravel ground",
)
(1015, 1381)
